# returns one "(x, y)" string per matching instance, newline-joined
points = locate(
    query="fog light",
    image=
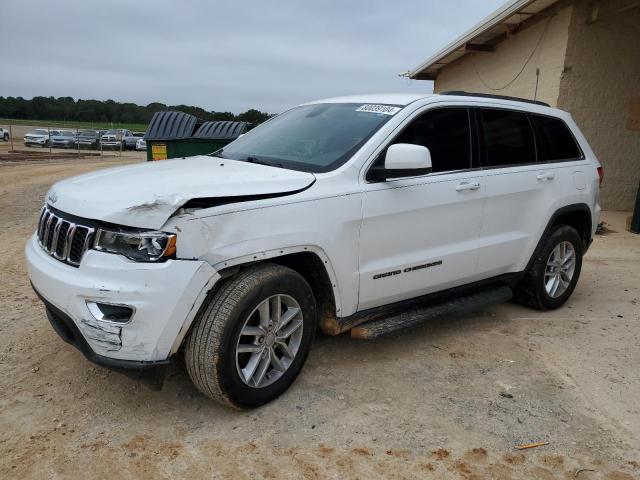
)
(108, 312)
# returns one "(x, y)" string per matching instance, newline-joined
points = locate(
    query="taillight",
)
(600, 174)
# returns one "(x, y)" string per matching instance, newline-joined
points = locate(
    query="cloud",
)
(223, 55)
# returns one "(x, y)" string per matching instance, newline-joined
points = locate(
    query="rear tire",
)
(553, 276)
(6, 137)
(230, 348)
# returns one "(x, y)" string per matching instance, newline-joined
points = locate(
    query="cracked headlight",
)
(138, 246)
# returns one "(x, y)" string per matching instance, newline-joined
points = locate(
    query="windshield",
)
(112, 132)
(311, 138)
(38, 132)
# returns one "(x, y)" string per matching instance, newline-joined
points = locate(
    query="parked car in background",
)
(89, 138)
(131, 142)
(40, 137)
(116, 137)
(4, 134)
(63, 139)
(141, 144)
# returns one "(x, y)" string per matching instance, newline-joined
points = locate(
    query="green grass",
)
(136, 127)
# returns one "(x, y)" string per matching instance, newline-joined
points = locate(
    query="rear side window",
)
(555, 138)
(507, 137)
(446, 133)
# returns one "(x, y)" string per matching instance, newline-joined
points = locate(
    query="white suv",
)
(366, 213)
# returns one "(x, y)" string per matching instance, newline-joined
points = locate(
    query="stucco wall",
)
(483, 72)
(601, 77)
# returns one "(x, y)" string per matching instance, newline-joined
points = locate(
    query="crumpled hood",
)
(146, 195)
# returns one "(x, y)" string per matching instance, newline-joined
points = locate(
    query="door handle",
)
(467, 186)
(546, 176)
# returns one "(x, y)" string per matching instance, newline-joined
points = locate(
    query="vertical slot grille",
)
(63, 239)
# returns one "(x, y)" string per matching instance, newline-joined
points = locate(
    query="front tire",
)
(6, 137)
(252, 338)
(553, 276)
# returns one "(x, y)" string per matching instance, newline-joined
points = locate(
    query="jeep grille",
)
(63, 239)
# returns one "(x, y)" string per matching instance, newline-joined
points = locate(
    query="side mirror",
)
(404, 160)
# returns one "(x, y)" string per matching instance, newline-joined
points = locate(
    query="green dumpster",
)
(178, 134)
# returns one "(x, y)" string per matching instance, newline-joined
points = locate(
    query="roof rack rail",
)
(462, 93)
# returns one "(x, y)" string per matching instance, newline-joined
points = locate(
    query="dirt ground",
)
(449, 400)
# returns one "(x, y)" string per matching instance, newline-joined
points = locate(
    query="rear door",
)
(420, 234)
(522, 189)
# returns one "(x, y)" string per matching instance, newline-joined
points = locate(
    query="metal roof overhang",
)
(482, 37)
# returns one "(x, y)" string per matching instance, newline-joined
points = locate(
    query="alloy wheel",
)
(269, 341)
(560, 268)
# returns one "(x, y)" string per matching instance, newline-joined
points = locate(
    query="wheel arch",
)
(576, 215)
(309, 261)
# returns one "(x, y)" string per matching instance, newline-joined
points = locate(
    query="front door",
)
(420, 235)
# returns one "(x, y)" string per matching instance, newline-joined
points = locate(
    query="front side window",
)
(311, 138)
(446, 133)
(507, 137)
(556, 139)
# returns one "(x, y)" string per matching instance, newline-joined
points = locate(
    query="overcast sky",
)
(223, 55)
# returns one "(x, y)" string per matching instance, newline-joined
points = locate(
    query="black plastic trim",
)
(462, 93)
(411, 318)
(381, 174)
(507, 279)
(576, 207)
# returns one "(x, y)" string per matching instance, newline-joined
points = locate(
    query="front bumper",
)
(35, 141)
(165, 298)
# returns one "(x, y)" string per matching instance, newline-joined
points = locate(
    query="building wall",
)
(601, 77)
(489, 72)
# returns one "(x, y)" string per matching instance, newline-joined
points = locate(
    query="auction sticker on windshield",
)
(385, 109)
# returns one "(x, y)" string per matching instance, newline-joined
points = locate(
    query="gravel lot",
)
(449, 400)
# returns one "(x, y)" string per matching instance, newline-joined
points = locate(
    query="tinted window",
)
(556, 139)
(445, 132)
(507, 136)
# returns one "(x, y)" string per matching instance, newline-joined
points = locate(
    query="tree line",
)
(68, 109)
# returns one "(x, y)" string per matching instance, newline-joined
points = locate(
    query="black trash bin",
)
(166, 133)
(178, 134)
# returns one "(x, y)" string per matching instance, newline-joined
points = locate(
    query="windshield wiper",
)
(257, 161)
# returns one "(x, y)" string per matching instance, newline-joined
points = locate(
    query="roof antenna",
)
(535, 95)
